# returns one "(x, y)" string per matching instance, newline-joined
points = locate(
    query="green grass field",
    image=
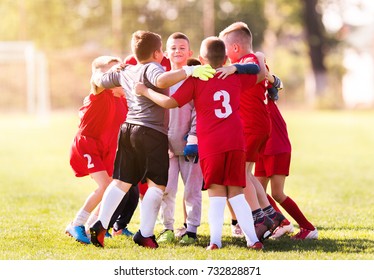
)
(332, 178)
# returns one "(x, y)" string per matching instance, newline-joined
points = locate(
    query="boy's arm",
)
(263, 69)
(245, 68)
(96, 78)
(158, 98)
(169, 78)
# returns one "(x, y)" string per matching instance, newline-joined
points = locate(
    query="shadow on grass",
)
(285, 244)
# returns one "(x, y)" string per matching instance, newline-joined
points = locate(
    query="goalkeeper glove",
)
(273, 93)
(277, 85)
(191, 149)
(203, 72)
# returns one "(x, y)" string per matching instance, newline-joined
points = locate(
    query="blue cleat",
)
(124, 232)
(78, 232)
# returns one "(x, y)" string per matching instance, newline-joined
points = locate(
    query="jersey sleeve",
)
(111, 79)
(247, 68)
(153, 71)
(185, 93)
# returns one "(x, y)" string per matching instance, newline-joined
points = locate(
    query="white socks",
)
(91, 220)
(243, 214)
(150, 207)
(216, 218)
(80, 218)
(111, 199)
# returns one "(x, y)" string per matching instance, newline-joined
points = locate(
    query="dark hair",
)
(144, 43)
(193, 61)
(179, 35)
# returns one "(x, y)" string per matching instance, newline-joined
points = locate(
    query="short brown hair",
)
(238, 32)
(103, 62)
(193, 61)
(144, 43)
(179, 35)
(213, 50)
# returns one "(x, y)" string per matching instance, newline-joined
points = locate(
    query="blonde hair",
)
(103, 62)
(239, 33)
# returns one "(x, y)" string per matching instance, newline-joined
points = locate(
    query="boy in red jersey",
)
(94, 146)
(257, 126)
(222, 159)
(273, 166)
(142, 153)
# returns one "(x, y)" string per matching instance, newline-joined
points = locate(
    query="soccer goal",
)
(24, 79)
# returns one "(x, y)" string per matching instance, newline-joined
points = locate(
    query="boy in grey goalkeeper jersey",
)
(142, 111)
(142, 153)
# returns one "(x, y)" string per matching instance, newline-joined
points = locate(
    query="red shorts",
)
(269, 165)
(254, 144)
(226, 169)
(87, 157)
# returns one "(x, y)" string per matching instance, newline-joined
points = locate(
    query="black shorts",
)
(142, 153)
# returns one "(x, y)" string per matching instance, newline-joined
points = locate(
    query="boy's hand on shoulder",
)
(203, 72)
(226, 71)
(140, 89)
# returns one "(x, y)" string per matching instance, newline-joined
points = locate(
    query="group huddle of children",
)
(156, 116)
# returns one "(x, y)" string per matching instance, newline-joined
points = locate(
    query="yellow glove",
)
(203, 72)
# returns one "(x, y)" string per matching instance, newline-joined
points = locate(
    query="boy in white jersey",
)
(182, 144)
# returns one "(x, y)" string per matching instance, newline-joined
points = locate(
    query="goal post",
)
(36, 78)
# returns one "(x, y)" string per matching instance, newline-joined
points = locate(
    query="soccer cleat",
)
(179, 232)
(123, 231)
(148, 242)
(236, 231)
(306, 234)
(277, 220)
(97, 234)
(108, 235)
(282, 230)
(78, 232)
(212, 247)
(166, 236)
(187, 240)
(257, 246)
(263, 228)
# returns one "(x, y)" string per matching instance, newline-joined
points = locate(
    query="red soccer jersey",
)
(218, 124)
(95, 144)
(101, 115)
(278, 141)
(253, 104)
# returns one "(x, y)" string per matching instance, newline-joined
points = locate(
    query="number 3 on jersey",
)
(226, 109)
(89, 161)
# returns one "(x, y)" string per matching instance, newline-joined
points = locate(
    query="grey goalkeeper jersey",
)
(141, 110)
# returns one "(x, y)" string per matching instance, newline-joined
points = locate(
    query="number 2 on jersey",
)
(224, 97)
(89, 161)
